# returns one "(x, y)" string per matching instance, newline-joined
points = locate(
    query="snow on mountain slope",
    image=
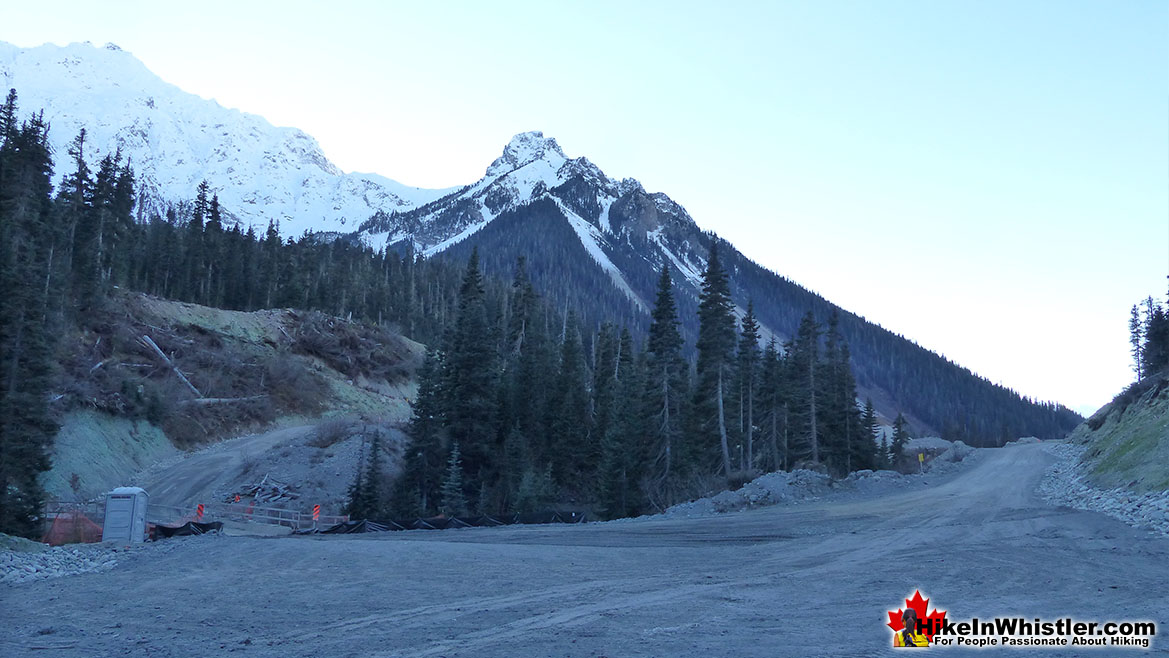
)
(592, 238)
(530, 166)
(174, 140)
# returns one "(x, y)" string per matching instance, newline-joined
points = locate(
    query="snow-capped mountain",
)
(593, 243)
(606, 215)
(598, 244)
(174, 140)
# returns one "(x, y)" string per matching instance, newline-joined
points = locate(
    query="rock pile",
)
(767, 489)
(21, 566)
(1066, 483)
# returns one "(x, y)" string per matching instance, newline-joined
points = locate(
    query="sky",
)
(989, 179)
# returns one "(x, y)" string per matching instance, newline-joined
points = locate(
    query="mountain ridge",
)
(592, 241)
(627, 235)
(175, 140)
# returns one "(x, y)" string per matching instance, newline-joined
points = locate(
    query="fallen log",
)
(224, 400)
(146, 341)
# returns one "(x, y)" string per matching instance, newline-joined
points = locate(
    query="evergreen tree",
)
(373, 489)
(26, 333)
(869, 435)
(805, 390)
(454, 502)
(1136, 339)
(418, 487)
(72, 208)
(471, 374)
(665, 389)
(715, 346)
(899, 438)
(606, 361)
(1156, 348)
(365, 497)
(622, 460)
(746, 380)
(573, 451)
(536, 490)
(774, 400)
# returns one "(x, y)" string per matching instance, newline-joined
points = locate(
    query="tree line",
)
(520, 407)
(1148, 331)
(62, 251)
(521, 404)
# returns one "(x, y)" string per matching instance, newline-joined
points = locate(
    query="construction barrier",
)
(444, 523)
(73, 523)
(241, 511)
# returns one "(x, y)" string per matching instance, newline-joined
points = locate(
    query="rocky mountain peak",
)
(526, 148)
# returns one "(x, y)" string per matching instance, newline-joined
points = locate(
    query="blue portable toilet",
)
(125, 515)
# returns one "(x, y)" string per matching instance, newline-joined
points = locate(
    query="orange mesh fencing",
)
(72, 528)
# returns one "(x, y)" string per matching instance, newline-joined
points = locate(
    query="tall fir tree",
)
(774, 401)
(417, 489)
(806, 390)
(471, 374)
(897, 446)
(665, 392)
(746, 385)
(27, 336)
(574, 448)
(715, 347)
(623, 456)
(1136, 339)
(454, 498)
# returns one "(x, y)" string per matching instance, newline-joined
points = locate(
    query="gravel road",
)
(806, 580)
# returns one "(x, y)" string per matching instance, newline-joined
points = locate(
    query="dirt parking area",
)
(808, 580)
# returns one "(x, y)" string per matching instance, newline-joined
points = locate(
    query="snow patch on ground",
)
(1066, 483)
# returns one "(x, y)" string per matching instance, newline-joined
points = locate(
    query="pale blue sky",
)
(990, 179)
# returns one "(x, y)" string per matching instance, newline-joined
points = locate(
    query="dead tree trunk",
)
(722, 427)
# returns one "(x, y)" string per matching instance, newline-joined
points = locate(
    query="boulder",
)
(956, 452)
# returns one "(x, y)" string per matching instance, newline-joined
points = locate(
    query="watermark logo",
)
(916, 625)
(912, 626)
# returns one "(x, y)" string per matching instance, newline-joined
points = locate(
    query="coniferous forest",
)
(522, 403)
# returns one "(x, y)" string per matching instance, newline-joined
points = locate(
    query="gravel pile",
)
(767, 489)
(22, 566)
(1066, 483)
(804, 485)
(956, 452)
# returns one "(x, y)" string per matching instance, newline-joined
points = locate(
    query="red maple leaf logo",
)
(919, 606)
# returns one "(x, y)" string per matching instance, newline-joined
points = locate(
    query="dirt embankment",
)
(144, 378)
(1126, 442)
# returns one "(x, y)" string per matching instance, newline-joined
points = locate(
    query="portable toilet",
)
(125, 515)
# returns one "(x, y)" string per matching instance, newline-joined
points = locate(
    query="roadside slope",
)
(124, 408)
(1127, 441)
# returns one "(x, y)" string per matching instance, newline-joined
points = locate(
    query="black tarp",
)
(351, 527)
(187, 529)
(443, 522)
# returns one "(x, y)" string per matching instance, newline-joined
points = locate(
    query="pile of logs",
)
(268, 490)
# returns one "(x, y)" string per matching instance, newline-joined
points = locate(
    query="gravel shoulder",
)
(813, 579)
(1068, 482)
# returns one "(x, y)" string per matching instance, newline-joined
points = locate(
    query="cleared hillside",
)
(123, 406)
